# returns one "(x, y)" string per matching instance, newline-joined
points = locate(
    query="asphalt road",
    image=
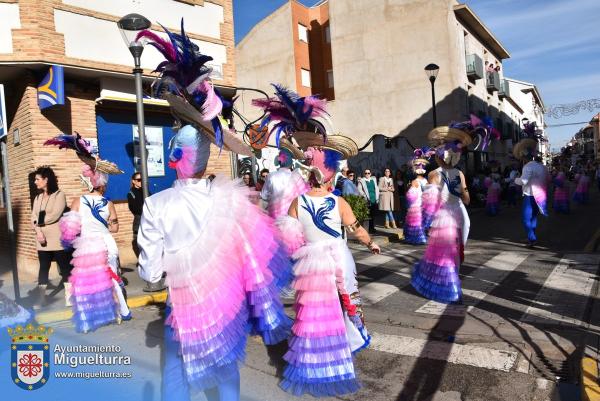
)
(519, 336)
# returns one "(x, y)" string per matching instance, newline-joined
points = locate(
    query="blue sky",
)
(554, 44)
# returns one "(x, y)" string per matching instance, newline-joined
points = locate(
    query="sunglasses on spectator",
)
(367, 173)
(264, 175)
(137, 179)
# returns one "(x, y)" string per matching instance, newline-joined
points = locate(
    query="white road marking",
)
(375, 292)
(562, 299)
(487, 277)
(375, 260)
(471, 355)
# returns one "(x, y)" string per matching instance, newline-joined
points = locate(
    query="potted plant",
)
(359, 207)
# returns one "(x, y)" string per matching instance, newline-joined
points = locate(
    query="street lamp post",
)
(130, 25)
(432, 70)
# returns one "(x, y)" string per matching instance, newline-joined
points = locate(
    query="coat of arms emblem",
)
(30, 356)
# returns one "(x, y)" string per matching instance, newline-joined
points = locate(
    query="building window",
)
(302, 33)
(330, 79)
(305, 77)
(327, 34)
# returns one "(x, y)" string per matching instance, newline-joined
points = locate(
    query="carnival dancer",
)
(492, 201)
(435, 276)
(217, 248)
(416, 221)
(88, 228)
(329, 325)
(280, 189)
(533, 180)
(283, 185)
(286, 114)
(582, 190)
(561, 194)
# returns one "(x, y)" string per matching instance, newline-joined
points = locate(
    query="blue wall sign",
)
(51, 90)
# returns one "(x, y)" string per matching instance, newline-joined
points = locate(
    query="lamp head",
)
(129, 26)
(432, 71)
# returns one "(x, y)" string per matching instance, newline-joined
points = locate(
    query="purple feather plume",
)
(74, 142)
(185, 65)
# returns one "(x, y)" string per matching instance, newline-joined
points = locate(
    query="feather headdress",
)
(481, 130)
(421, 158)
(527, 147)
(83, 149)
(74, 142)
(530, 130)
(184, 73)
(291, 113)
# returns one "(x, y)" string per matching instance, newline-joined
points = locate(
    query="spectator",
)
(135, 201)
(351, 176)
(401, 181)
(48, 207)
(262, 177)
(368, 189)
(386, 198)
(247, 179)
(344, 184)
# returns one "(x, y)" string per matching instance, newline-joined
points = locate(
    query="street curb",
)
(133, 302)
(589, 380)
(590, 375)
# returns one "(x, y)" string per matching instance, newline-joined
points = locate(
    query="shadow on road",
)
(426, 375)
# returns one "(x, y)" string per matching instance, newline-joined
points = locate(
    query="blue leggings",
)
(174, 384)
(389, 216)
(529, 215)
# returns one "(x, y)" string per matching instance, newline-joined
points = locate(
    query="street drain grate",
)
(564, 371)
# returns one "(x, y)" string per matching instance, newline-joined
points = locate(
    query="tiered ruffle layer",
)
(93, 298)
(435, 276)
(319, 357)
(414, 220)
(225, 286)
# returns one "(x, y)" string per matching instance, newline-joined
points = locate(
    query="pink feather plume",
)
(162, 45)
(212, 105)
(319, 106)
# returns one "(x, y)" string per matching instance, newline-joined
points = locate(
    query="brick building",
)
(82, 36)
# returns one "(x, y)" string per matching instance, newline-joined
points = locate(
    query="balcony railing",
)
(474, 67)
(504, 89)
(493, 81)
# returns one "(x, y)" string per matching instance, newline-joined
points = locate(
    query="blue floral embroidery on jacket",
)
(452, 184)
(95, 208)
(319, 216)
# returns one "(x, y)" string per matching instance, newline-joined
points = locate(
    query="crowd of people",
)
(230, 250)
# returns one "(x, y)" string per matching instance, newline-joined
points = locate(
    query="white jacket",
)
(534, 173)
